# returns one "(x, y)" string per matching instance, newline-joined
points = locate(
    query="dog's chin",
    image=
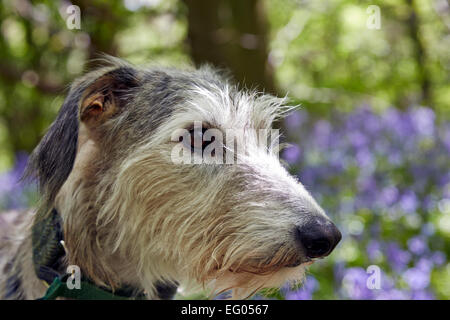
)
(271, 268)
(299, 262)
(244, 284)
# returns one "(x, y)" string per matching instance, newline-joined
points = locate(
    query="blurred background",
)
(371, 139)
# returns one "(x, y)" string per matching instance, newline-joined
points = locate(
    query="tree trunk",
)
(420, 54)
(232, 34)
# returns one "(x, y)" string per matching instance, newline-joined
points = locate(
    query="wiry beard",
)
(244, 285)
(246, 274)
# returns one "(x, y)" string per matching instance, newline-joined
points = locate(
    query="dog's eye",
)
(196, 141)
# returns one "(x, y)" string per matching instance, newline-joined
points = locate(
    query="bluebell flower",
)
(438, 258)
(445, 137)
(424, 264)
(396, 257)
(389, 195)
(305, 292)
(423, 120)
(321, 134)
(365, 159)
(393, 294)
(354, 284)
(373, 250)
(399, 124)
(292, 154)
(395, 157)
(339, 271)
(357, 139)
(422, 295)
(11, 188)
(417, 278)
(408, 202)
(296, 119)
(444, 179)
(417, 245)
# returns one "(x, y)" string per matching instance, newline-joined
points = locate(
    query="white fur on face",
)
(214, 226)
(220, 226)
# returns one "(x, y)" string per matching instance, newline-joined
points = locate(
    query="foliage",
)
(371, 142)
(326, 57)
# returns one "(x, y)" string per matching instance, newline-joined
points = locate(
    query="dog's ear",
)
(52, 160)
(106, 96)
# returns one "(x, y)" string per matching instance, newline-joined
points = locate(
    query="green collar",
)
(48, 253)
(87, 291)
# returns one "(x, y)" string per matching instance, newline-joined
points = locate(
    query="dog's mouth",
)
(262, 269)
(306, 262)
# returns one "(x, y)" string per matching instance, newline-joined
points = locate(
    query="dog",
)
(136, 222)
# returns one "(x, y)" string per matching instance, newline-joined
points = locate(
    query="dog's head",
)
(134, 213)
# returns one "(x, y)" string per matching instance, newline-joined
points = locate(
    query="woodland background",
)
(371, 140)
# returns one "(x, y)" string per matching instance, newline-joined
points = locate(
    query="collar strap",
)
(48, 253)
(87, 291)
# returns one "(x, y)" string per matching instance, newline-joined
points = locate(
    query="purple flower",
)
(11, 189)
(393, 294)
(354, 284)
(364, 158)
(425, 264)
(299, 295)
(306, 291)
(357, 139)
(322, 132)
(423, 120)
(372, 124)
(296, 119)
(397, 258)
(339, 271)
(417, 245)
(395, 157)
(381, 147)
(445, 136)
(408, 202)
(310, 175)
(368, 191)
(417, 278)
(422, 295)
(361, 119)
(444, 179)
(292, 154)
(389, 195)
(7, 182)
(367, 184)
(438, 258)
(373, 250)
(399, 124)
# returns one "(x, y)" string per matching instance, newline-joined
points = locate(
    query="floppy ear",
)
(92, 99)
(106, 96)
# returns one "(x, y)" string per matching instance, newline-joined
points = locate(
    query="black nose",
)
(318, 237)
